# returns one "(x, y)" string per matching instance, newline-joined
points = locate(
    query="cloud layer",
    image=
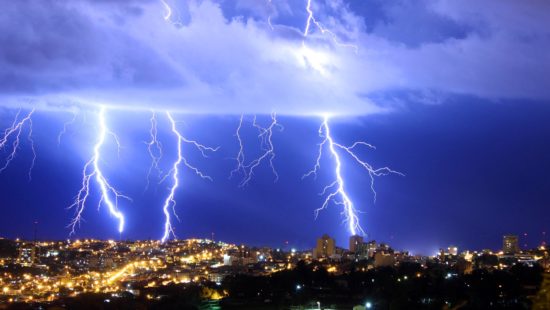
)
(245, 56)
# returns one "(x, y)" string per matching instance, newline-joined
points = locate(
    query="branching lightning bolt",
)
(65, 126)
(14, 131)
(154, 147)
(240, 154)
(336, 190)
(311, 20)
(170, 202)
(265, 135)
(109, 195)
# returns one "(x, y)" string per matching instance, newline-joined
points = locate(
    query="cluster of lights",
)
(78, 279)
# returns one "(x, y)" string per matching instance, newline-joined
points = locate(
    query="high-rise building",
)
(326, 247)
(355, 242)
(510, 244)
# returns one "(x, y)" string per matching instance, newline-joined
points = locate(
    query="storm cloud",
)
(224, 57)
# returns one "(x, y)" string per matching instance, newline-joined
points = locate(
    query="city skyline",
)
(223, 275)
(157, 119)
(274, 154)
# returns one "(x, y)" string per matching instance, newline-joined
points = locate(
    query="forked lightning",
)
(336, 191)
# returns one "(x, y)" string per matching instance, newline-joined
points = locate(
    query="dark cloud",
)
(224, 57)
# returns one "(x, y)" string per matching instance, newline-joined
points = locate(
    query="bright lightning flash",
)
(109, 195)
(14, 131)
(168, 10)
(336, 190)
(170, 202)
(265, 135)
(169, 14)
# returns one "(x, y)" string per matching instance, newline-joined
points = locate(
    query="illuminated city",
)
(59, 272)
(274, 154)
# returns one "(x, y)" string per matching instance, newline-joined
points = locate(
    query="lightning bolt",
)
(14, 132)
(170, 202)
(265, 135)
(168, 15)
(311, 20)
(31, 142)
(336, 192)
(109, 195)
(240, 154)
(65, 126)
(269, 17)
(154, 147)
(168, 10)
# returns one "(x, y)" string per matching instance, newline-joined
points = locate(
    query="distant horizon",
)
(288, 247)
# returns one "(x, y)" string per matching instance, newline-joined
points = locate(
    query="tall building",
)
(326, 247)
(510, 244)
(355, 242)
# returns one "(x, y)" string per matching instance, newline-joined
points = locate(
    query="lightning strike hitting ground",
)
(336, 190)
(170, 202)
(154, 147)
(14, 132)
(109, 195)
(311, 20)
(265, 135)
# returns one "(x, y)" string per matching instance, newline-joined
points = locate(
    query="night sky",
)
(453, 94)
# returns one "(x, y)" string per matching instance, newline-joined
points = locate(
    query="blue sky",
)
(454, 94)
(474, 170)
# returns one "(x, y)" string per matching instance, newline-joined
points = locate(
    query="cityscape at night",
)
(274, 154)
(209, 274)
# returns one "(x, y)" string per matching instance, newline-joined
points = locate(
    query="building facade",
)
(326, 247)
(510, 244)
(355, 243)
